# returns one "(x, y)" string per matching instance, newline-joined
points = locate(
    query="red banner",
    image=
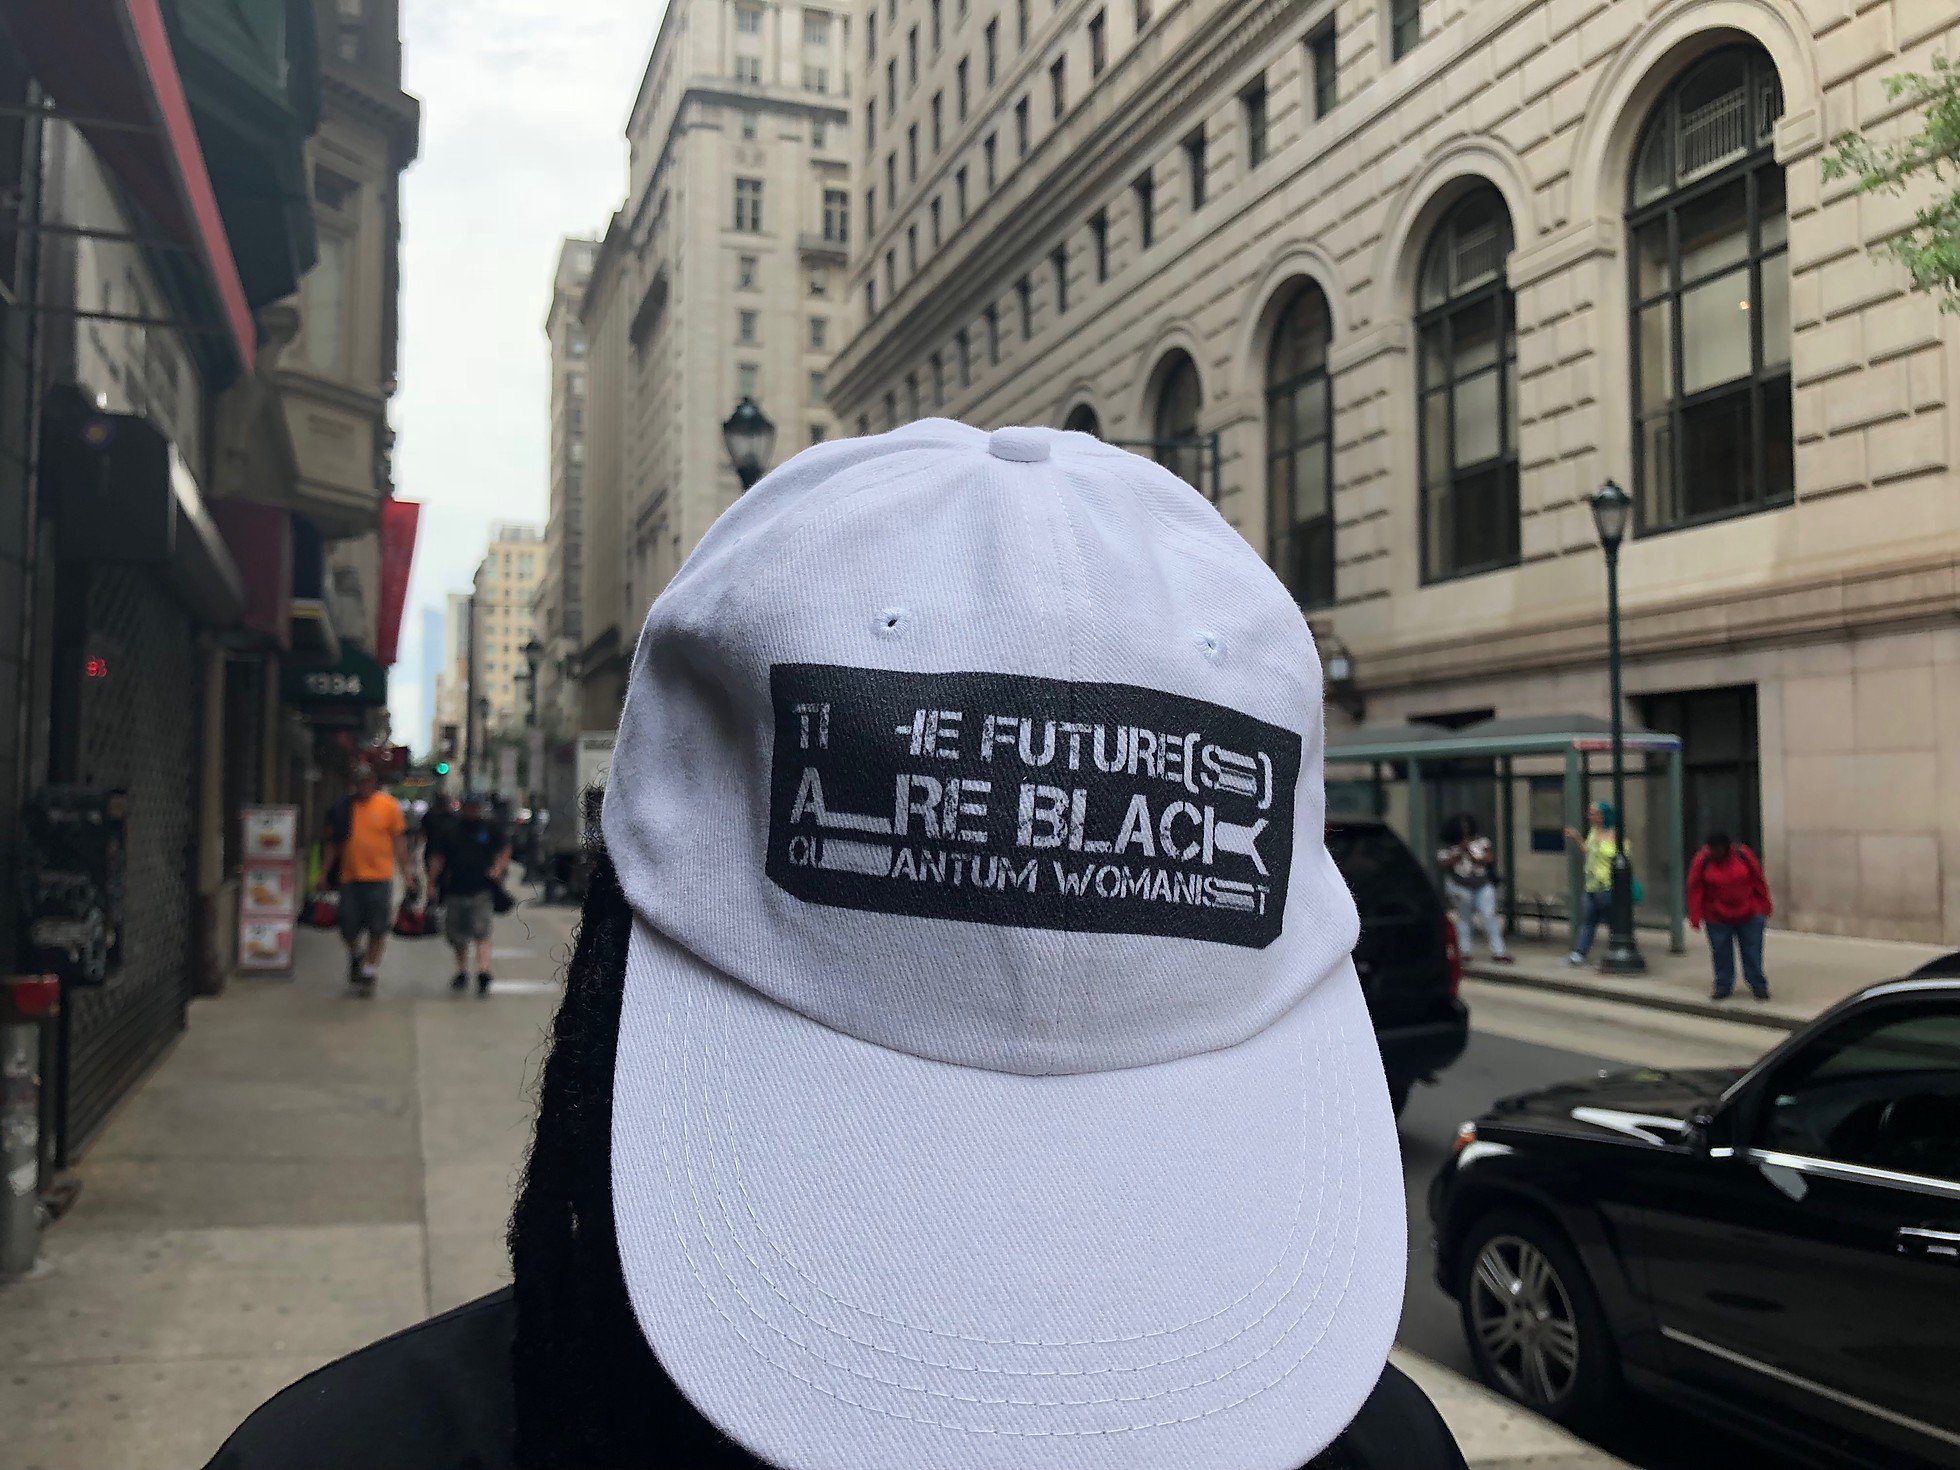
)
(399, 519)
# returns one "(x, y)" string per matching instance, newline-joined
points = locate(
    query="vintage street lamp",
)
(533, 652)
(1611, 508)
(751, 441)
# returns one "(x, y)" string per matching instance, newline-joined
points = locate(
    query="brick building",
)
(1431, 272)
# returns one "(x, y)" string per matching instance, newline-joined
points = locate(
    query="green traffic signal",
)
(442, 768)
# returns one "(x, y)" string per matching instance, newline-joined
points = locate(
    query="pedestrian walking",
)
(366, 844)
(895, 1133)
(1728, 893)
(1470, 884)
(1598, 847)
(467, 862)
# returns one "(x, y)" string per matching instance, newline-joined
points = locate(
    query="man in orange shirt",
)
(365, 834)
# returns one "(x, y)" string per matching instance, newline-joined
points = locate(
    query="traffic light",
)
(442, 768)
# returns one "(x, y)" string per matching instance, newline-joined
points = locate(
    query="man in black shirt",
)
(961, 1064)
(467, 861)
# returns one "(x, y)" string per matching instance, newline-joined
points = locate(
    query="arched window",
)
(1082, 419)
(1711, 297)
(1175, 427)
(1300, 449)
(1467, 381)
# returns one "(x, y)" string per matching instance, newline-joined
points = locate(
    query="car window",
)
(1882, 1090)
(1383, 875)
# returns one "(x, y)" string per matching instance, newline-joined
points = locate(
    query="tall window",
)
(1058, 86)
(1060, 261)
(1098, 43)
(1099, 234)
(1194, 165)
(1300, 449)
(1175, 425)
(1253, 101)
(993, 51)
(836, 216)
(1711, 291)
(1021, 23)
(1146, 192)
(1021, 128)
(1467, 374)
(1404, 27)
(959, 190)
(1082, 420)
(963, 348)
(1321, 51)
(993, 335)
(959, 89)
(938, 121)
(748, 205)
(1024, 289)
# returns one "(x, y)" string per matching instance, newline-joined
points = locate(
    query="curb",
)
(1742, 1013)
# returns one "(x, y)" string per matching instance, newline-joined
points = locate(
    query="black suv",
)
(1776, 1248)
(1407, 957)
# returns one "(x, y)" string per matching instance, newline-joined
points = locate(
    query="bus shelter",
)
(1564, 763)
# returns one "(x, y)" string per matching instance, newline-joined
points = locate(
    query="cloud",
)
(523, 116)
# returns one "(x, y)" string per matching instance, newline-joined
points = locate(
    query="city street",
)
(1523, 1039)
(306, 1172)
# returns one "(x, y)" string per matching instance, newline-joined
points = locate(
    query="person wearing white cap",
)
(961, 1065)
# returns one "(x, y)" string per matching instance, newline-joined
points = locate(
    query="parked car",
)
(1406, 957)
(1777, 1248)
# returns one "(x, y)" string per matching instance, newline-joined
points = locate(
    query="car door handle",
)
(1920, 1240)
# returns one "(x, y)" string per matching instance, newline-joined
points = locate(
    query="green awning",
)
(357, 681)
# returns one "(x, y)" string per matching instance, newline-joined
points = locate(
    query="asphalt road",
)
(1494, 1066)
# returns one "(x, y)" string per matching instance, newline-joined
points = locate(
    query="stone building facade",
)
(721, 278)
(500, 611)
(560, 591)
(1431, 272)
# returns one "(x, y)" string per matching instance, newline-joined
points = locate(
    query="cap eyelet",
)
(1210, 645)
(890, 621)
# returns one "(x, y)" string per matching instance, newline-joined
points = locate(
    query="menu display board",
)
(268, 905)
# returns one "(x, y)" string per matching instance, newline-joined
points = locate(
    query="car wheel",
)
(1534, 1326)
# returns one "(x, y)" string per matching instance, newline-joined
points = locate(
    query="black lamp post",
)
(751, 441)
(533, 652)
(1611, 508)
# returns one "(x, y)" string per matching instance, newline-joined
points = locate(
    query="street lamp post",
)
(751, 441)
(533, 652)
(1611, 508)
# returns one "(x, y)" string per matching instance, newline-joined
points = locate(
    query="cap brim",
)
(849, 1258)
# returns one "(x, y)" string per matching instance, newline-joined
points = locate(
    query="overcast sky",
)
(524, 107)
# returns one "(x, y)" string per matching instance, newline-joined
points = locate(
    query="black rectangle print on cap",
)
(1038, 803)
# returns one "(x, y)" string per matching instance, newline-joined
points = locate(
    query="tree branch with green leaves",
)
(1929, 248)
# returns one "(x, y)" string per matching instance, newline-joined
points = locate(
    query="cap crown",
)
(1009, 757)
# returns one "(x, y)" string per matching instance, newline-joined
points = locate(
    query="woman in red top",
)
(1728, 892)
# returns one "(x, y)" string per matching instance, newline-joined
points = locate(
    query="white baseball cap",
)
(994, 1089)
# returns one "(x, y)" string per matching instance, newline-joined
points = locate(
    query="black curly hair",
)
(589, 1393)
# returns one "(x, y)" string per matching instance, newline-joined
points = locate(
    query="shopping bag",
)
(322, 911)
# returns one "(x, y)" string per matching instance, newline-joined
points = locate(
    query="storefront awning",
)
(110, 70)
(353, 685)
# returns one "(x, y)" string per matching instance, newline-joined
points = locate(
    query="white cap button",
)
(1022, 446)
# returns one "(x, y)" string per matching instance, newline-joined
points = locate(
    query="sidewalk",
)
(306, 1172)
(1808, 973)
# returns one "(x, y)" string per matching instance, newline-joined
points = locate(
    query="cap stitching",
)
(1280, 1258)
(1307, 1351)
